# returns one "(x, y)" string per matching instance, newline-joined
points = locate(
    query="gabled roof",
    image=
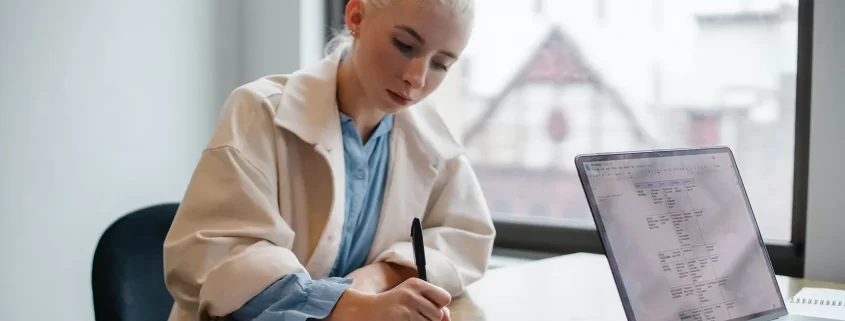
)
(557, 58)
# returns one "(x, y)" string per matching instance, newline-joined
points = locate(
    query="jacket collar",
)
(309, 109)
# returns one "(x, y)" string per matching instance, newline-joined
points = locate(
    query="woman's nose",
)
(415, 73)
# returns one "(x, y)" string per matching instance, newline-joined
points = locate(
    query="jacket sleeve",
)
(228, 241)
(457, 228)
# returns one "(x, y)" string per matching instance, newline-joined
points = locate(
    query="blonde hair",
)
(342, 40)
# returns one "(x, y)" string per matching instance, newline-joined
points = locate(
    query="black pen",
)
(419, 248)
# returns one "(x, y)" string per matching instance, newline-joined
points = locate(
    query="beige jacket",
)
(266, 198)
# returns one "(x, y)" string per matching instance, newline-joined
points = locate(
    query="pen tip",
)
(414, 224)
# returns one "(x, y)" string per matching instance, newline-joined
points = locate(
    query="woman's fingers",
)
(429, 310)
(447, 315)
(433, 293)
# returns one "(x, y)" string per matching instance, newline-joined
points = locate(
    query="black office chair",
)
(127, 277)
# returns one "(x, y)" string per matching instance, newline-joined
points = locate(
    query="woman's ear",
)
(354, 16)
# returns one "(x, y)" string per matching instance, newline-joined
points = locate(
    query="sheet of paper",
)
(819, 302)
(683, 238)
(822, 294)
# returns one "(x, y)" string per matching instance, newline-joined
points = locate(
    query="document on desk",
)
(818, 302)
(684, 240)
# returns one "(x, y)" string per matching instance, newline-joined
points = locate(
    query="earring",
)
(354, 33)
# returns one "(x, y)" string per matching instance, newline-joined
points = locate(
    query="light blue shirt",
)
(296, 297)
(366, 174)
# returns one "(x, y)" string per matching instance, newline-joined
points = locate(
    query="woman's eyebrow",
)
(412, 32)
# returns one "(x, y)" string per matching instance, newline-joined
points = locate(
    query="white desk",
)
(570, 287)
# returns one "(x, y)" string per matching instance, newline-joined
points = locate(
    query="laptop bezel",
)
(580, 160)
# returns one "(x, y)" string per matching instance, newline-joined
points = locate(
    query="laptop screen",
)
(681, 236)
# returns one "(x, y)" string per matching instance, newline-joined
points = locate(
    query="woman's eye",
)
(440, 66)
(403, 47)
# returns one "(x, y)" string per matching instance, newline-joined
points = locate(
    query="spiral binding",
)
(817, 301)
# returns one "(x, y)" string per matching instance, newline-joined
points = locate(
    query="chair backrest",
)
(127, 276)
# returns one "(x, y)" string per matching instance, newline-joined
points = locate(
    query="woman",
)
(301, 206)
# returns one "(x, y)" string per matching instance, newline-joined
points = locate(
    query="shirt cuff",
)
(294, 297)
(323, 296)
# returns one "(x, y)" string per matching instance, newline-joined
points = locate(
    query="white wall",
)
(279, 36)
(826, 204)
(104, 108)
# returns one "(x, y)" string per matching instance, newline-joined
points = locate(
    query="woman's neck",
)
(352, 100)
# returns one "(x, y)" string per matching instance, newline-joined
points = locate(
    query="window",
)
(569, 77)
(726, 75)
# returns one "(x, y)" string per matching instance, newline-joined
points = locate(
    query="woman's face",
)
(404, 51)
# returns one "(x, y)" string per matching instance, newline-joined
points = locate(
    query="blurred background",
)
(105, 107)
(562, 78)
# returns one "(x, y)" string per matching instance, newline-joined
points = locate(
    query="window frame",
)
(787, 257)
(334, 17)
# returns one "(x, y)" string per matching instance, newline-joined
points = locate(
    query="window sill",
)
(508, 257)
(518, 242)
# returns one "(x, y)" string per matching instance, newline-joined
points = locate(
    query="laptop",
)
(680, 236)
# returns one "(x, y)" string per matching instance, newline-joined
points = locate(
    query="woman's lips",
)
(398, 99)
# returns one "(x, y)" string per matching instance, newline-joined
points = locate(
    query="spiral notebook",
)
(818, 302)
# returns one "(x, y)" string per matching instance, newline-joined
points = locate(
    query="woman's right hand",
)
(412, 300)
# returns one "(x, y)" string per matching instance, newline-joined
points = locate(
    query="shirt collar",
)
(384, 126)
